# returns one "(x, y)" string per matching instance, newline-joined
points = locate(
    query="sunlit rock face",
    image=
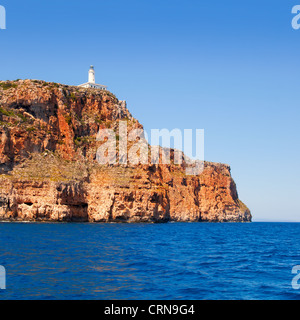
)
(48, 170)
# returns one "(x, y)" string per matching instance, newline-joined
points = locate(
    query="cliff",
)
(48, 170)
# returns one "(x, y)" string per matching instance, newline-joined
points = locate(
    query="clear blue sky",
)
(229, 67)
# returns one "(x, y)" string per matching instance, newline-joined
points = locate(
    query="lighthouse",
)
(92, 75)
(92, 82)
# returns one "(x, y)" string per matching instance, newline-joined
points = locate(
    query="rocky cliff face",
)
(49, 173)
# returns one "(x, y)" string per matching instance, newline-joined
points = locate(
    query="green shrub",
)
(30, 129)
(23, 118)
(98, 120)
(68, 119)
(7, 113)
(73, 96)
(79, 141)
(8, 85)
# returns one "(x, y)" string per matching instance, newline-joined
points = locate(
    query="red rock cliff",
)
(49, 173)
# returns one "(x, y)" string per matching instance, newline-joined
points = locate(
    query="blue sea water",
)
(149, 261)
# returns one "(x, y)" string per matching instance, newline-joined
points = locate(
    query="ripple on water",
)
(164, 261)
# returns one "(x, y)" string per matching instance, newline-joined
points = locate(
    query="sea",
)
(184, 261)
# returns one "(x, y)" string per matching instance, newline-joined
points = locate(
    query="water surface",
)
(149, 261)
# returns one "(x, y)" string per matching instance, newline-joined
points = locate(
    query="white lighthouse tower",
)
(92, 75)
(92, 82)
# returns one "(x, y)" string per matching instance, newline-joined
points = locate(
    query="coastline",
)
(49, 170)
